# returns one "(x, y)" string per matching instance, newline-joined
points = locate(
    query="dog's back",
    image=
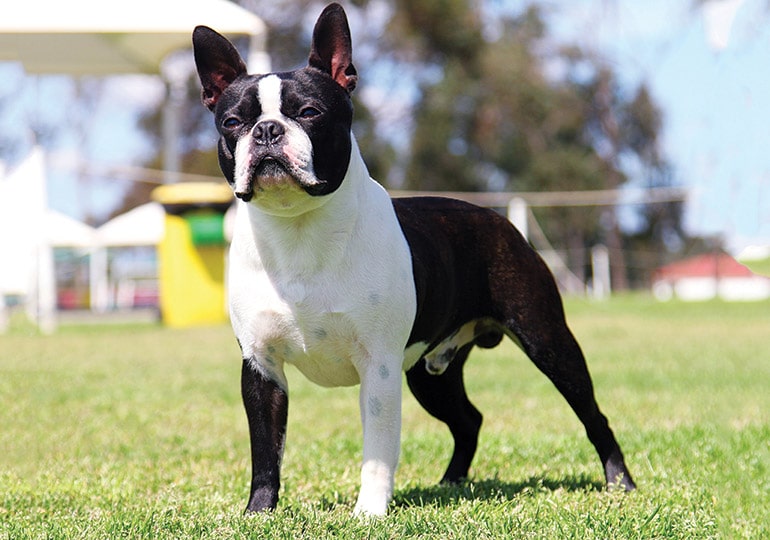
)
(469, 263)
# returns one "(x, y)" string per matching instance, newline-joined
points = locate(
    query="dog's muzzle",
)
(268, 172)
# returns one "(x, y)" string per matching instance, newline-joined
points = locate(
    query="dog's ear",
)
(332, 48)
(217, 61)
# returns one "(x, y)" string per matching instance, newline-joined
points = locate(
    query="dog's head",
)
(284, 137)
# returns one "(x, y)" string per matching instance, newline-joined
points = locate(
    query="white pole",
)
(258, 60)
(517, 214)
(46, 289)
(98, 277)
(600, 266)
(4, 318)
(174, 70)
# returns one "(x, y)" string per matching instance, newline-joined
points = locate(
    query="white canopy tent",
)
(80, 37)
(29, 230)
(64, 231)
(94, 37)
(22, 212)
(142, 226)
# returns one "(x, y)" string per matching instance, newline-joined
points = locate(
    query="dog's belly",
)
(325, 348)
(327, 370)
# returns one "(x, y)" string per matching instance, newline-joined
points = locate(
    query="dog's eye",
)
(231, 123)
(309, 112)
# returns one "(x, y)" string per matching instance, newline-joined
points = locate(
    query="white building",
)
(713, 275)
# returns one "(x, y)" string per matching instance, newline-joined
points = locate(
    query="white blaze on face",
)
(269, 91)
(270, 97)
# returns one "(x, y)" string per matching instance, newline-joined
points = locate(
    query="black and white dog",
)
(327, 273)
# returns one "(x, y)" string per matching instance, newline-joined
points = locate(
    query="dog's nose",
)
(245, 196)
(268, 132)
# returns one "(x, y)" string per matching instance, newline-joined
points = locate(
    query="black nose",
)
(245, 196)
(268, 132)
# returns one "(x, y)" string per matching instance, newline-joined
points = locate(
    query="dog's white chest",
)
(331, 308)
(290, 324)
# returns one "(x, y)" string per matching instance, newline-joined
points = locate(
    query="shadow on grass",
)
(491, 489)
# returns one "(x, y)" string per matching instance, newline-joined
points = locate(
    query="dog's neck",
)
(319, 238)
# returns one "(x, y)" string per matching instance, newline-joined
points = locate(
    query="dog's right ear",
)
(218, 63)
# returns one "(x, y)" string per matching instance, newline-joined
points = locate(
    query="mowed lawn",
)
(138, 432)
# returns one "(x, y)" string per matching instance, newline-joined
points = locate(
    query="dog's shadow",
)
(488, 489)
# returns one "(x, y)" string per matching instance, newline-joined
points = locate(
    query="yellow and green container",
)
(191, 255)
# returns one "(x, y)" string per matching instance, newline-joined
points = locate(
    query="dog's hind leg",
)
(554, 350)
(444, 397)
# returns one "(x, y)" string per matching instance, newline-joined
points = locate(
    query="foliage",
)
(522, 115)
(138, 432)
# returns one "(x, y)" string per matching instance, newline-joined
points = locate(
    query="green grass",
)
(138, 432)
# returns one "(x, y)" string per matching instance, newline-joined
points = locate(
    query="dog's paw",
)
(372, 502)
(376, 490)
(617, 475)
(373, 509)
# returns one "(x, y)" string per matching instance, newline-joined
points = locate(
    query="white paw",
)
(376, 489)
(371, 506)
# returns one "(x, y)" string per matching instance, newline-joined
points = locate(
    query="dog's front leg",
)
(380, 403)
(266, 406)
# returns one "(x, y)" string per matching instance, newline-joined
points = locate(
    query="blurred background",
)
(627, 139)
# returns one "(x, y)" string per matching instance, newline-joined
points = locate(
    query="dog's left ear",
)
(332, 48)
(218, 63)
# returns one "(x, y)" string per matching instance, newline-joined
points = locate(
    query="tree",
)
(498, 119)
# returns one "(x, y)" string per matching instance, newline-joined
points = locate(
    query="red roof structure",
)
(719, 265)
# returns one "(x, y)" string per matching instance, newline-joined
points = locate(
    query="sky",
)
(708, 69)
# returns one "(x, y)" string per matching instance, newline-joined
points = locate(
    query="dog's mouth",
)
(268, 173)
(270, 168)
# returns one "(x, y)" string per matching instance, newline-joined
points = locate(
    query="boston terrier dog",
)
(329, 274)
